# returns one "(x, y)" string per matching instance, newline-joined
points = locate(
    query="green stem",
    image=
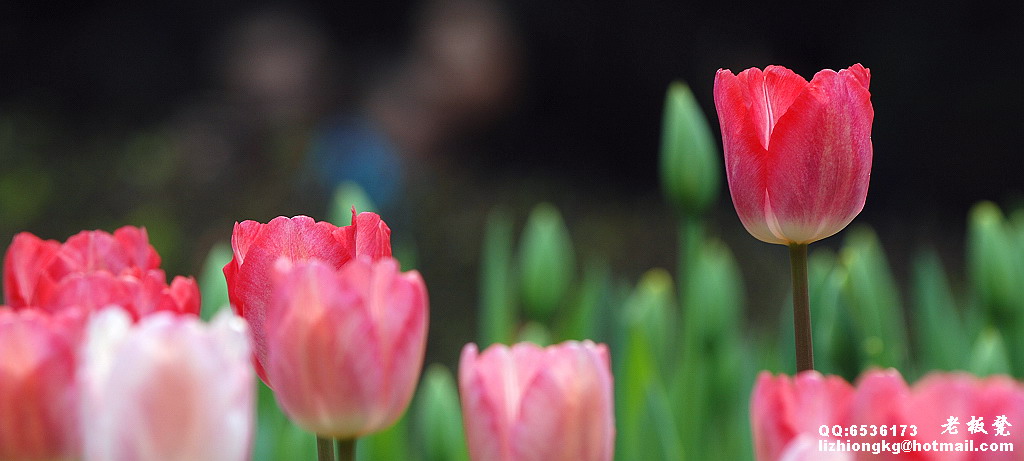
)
(691, 235)
(346, 449)
(801, 308)
(324, 449)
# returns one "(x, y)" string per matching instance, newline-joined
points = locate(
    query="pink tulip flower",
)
(797, 153)
(788, 414)
(166, 388)
(528, 403)
(92, 270)
(38, 389)
(345, 346)
(258, 246)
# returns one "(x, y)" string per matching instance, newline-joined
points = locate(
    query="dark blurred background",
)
(187, 116)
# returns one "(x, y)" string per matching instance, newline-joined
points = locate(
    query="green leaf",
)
(635, 371)
(547, 262)
(276, 437)
(584, 321)
(996, 269)
(941, 341)
(690, 163)
(497, 319)
(439, 417)
(391, 443)
(213, 286)
(711, 371)
(873, 299)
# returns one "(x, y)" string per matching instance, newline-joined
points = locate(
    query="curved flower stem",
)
(346, 449)
(324, 449)
(801, 307)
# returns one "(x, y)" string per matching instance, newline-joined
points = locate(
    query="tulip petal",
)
(297, 238)
(768, 95)
(167, 388)
(38, 393)
(367, 236)
(746, 158)
(782, 408)
(24, 261)
(485, 434)
(821, 158)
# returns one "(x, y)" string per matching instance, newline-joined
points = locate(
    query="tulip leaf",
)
(438, 417)
(276, 436)
(497, 299)
(710, 367)
(585, 319)
(941, 339)
(212, 285)
(391, 443)
(996, 270)
(871, 294)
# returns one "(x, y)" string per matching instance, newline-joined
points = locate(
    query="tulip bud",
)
(528, 403)
(690, 167)
(547, 262)
(797, 153)
(167, 388)
(345, 346)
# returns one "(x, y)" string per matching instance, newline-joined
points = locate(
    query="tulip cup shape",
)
(345, 346)
(258, 246)
(166, 388)
(788, 415)
(528, 403)
(797, 153)
(38, 387)
(92, 270)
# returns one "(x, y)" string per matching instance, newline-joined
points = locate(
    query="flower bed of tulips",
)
(321, 352)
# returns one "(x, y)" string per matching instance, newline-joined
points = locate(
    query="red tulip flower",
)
(38, 388)
(797, 153)
(257, 247)
(345, 346)
(528, 403)
(91, 270)
(791, 415)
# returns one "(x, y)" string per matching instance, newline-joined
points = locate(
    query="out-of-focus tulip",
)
(92, 270)
(345, 347)
(38, 390)
(167, 388)
(258, 246)
(797, 153)
(788, 415)
(528, 403)
(782, 408)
